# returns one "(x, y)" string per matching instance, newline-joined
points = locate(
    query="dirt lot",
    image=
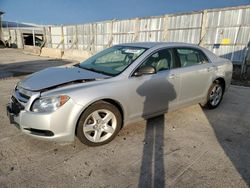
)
(191, 147)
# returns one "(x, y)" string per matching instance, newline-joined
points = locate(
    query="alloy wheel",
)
(216, 95)
(100, 125)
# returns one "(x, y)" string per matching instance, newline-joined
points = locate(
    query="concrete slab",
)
(32, 50)
(77, 55)
(51, 52)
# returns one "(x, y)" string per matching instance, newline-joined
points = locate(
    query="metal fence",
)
(224, 31)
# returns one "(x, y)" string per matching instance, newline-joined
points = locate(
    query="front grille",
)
(16, 106)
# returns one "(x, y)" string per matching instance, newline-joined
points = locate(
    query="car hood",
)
(56, 76)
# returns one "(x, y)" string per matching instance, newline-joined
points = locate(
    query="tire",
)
(215, 95)
(99, 124)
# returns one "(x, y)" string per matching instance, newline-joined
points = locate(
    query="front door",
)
(157, 92)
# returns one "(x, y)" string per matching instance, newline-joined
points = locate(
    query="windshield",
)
(112, 61)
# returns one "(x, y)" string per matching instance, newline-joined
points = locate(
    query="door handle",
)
(209, 69)
(173, 76)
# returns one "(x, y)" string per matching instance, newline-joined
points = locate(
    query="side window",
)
(189, 57)
(161, 60)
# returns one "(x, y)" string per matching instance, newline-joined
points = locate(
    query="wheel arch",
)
(217, 79)
(222, 81)
(108, 100)
(117, 105)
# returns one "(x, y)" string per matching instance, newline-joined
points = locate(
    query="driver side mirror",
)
(145, 70)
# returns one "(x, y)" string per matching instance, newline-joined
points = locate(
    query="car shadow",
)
(152, 170)
(28, 67)
(230, 122)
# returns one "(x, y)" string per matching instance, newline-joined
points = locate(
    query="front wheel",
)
(99, 124)
(215, 95)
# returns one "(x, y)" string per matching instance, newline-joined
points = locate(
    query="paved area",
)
(14, 62)
(191, 147)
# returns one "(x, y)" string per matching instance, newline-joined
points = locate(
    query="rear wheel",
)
(215, 95)
(99, 124)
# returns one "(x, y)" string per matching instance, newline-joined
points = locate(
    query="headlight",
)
(49, 104)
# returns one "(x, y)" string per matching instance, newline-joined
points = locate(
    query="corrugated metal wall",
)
(233, 25)
(211, 28)
(123, 31)
(185, 28)
(151, 29)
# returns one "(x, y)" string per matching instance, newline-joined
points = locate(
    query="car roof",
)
(155, 44)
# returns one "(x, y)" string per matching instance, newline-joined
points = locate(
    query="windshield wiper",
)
(94, 70)
(99, 71)
(77, 65)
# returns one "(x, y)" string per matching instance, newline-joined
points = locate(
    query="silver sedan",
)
(118, 86)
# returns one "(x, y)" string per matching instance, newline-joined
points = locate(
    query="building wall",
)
(224, 31)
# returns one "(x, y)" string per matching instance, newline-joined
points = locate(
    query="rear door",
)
(195, 74)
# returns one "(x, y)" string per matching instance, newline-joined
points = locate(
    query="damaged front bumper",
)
(57, 126)
(11, 115)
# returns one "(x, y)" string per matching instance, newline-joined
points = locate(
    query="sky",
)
(85, 11)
